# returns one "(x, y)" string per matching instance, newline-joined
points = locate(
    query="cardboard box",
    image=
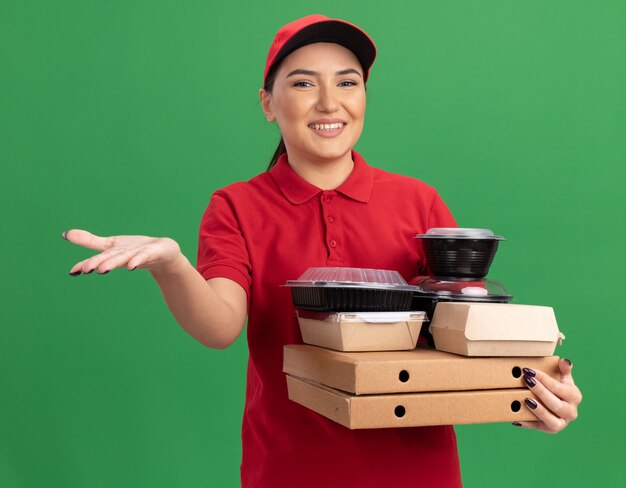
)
(419, 370)
(495, 329)
(362, 331)
(412, 409)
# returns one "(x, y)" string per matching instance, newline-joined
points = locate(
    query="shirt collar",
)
(358, 186)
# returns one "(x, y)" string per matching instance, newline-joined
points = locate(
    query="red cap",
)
(319, 28)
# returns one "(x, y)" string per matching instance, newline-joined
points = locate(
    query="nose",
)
(327, 101)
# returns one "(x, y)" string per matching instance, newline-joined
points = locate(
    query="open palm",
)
(130, 252)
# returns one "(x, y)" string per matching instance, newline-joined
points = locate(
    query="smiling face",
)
(318, 100)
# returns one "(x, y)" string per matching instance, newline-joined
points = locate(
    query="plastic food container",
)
(351, 290)
(361, 331)
(459, 252)
(432, 290)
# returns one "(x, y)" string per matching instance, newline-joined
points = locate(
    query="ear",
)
(265, 98)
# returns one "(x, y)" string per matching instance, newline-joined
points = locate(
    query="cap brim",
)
(337, 32)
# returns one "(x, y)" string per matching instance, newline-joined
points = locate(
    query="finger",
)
(552, 422)
(558, 406)
(535, 424)
(77, 269)
(566, 391)
(88, 240)
(140, 260)
(90, 264)
(116, 260)
(565, 367)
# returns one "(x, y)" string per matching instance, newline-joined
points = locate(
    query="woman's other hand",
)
(558, 400)
(130, 252)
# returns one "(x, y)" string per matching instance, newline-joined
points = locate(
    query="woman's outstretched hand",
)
(130, 252)
(212, 311)
(558, 400)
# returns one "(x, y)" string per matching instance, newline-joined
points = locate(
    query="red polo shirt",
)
(272, 228)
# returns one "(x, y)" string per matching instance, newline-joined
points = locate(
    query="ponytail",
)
(280, 150)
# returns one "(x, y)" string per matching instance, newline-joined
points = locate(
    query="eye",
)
(348, 83)
(303, 84)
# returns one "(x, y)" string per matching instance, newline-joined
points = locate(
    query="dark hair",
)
(268, 86)
(280, 149)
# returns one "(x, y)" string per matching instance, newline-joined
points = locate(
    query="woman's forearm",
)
(213, 311)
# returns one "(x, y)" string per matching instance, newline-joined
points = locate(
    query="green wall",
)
(124, 116)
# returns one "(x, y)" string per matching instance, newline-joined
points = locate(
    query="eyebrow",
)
(308, 72)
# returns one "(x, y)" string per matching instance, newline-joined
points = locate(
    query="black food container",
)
(459, 252)
(351, 290)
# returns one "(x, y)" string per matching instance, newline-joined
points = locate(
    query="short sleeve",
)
(222, 250)
(440, 215)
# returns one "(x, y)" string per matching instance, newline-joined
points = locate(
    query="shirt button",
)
(331, 220)
(333, 243)
(328, 198)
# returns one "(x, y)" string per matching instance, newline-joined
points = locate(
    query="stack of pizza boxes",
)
(363, 365)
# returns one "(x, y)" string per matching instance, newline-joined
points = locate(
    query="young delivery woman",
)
(319, 204)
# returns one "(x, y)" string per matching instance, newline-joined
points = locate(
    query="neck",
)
(325, 174)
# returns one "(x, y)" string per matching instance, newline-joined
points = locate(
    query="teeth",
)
(328, 127)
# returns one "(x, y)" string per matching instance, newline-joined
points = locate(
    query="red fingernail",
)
(104, 272)
(517, 424)
(64, 234)
(567, 361)
(529, 372)
(75, 273)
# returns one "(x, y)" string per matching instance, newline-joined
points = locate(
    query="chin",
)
(331, 156)
(331, 153)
